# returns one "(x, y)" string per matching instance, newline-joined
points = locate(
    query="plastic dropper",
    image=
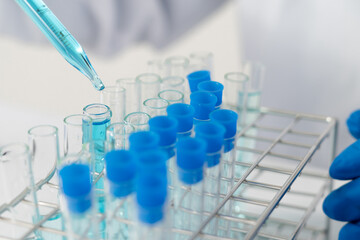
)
(61, 38)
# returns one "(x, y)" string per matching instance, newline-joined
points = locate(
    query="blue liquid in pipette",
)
(61, 38)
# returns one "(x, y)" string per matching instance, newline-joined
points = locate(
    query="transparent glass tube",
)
(15, 176)
(148, 85)
(201, 61)
(176, 66)
(139, 120)
(155, 106)
(44, 147)
(117, 135)
(171, 96)
(114, 98)
(77, 130)
(173, 83)
(235, 93)
(132, 103)
(155, 66)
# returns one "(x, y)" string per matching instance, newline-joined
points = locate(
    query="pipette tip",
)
(98, 84)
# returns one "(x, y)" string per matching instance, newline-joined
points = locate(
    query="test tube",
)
(184, 114)
(176, 66)
(120, 187)
(15, 176)
(114, 97)
(235, 92)
(148, 86)
(189, 187)
(215, 88)
(77, 202)
(132, 103)
(117, 135)
(213, 134)
(77, 131)
(171, 96)
(201, 61)
(197, 77)
(173, 83)
(203, 103)
(43, 142)
(155, 66)
(144, 141)
(151, 208)
(139, 120)
(155, 106)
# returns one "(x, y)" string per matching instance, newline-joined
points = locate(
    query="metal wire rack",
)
(269, 198)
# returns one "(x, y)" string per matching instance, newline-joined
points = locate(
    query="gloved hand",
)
(343, 204)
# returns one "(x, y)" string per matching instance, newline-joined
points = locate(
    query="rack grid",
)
(268, 200)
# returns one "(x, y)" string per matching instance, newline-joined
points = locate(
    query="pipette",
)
(61, 38)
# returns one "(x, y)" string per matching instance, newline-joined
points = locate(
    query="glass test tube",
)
(171, 96)
(201, 61)
(173, 83)
(77, 202)
(132, 103)
(155, 66)
(148, 86)
(194, 78)
(215, 88)
(44, 147)
(155, 106)
(139, 120)
(189, 187)
(120, 187)
(117, 135)
(114, 97)
(235, 92)
(77, 131)
(203, 103)
(184, 114)
(176, 66)
(15, 176)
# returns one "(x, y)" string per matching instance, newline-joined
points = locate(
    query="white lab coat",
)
(312, 54)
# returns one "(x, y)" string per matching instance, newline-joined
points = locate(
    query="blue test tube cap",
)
(213, 134)
(151, 192)
(153, 161)
(184, 114)
(166, 128)
(143, 141)
(353, 124)
(190, 159)
(197, 77)
(120, 172)
(213, 87)
(228, 119)
(76, 186)
(203, 103)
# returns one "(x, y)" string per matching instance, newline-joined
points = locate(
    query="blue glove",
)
(343, 204)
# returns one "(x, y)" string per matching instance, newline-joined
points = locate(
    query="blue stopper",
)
(213, 134)
(353, 123)
(121, 171)
(184, 114)
(213, 87)
(228, 119)
(76, 185)
(197, 77)
(203, 103)
(143, 141)
(190, 158)
(152, 162)
(166, 128)
(151, 191)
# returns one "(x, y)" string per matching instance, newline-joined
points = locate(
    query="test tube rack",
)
(272, 193)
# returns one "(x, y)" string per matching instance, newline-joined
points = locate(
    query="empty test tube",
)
(184, 114)
(197, 77)
(77, 202)
(139, 120)
(189, 187)
(148, 86)
(155, 106)
(132, 103)
(77, 132)
(201, 61)
(176, 66)
(171, 96)
(173, 83)
(115, 98)
(120, 184)
(203, 103)
(117, 135)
